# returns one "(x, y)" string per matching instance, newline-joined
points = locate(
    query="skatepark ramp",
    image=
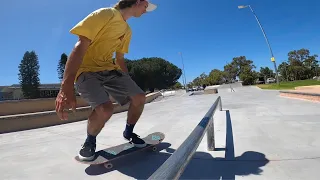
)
(174, 166)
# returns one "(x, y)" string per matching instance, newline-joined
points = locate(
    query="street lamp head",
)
(241, 7)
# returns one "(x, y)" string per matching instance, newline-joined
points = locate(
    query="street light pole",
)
(184, 73)
(265, 36)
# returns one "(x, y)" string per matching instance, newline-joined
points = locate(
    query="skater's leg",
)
(134, 112)
(99, 116)
(124, 90)
(135, 109)
(90, 88)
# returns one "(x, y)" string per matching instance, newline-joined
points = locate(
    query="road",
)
(266, 137)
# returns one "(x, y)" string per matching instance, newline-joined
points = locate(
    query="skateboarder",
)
(96, 75)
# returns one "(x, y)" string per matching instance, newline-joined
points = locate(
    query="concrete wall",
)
(12, 123)
(11, 107)
(31, 105)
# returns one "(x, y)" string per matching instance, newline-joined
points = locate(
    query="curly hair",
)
(122, 4)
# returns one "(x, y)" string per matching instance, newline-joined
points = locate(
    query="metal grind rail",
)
(175, 165)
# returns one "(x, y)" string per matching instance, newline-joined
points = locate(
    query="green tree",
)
(201, 80)
(204, 79)
(197, 81)
(248, 75)
(242, 64)
(244, 69)
(154, 72)
(297, 57)
(302, 65)
(230, 72)
(216, 77)
(29, 75)
(284, 71)
(312, 66)
(267, 72)
(62, 65)
(178, 85)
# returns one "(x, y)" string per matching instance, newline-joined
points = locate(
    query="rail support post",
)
(210, 136)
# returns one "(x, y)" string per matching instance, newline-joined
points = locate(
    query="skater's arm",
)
(120, 62)
(75, 60)
(66, 98)
(123, 49)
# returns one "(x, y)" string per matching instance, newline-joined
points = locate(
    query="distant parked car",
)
(271, 80)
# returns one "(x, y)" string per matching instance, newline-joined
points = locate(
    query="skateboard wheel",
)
(108, 165)
(154, 149)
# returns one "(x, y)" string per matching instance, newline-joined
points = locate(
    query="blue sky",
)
(209, 33)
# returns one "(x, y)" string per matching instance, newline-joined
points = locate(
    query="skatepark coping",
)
(174, 166)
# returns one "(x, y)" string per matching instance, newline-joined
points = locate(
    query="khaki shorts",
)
(96, 87)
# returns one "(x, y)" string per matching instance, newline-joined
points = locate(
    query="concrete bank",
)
(12, 123)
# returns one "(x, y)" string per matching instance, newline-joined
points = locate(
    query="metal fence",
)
(174, 166)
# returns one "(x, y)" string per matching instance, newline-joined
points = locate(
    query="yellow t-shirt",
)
(109, 33)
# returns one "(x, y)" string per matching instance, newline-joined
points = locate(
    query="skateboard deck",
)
(105, 156)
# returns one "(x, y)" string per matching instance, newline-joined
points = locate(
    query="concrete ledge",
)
(301, 95)
(210, 91)
(212, 87)
(169, 93)
(207, 90)
(12, 123)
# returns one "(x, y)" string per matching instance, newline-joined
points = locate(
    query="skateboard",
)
(105, 156)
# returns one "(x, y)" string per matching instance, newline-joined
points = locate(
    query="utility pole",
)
(265, 36)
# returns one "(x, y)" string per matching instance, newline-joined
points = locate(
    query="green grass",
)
(289, 85)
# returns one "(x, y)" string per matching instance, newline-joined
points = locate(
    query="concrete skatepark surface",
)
(259, 135)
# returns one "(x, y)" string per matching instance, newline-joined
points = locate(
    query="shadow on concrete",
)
(139, 166)
(202, 166)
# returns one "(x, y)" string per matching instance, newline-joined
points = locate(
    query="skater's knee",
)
(138, 100)
(105, 110)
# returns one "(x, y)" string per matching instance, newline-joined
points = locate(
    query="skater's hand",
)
(66, 99)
